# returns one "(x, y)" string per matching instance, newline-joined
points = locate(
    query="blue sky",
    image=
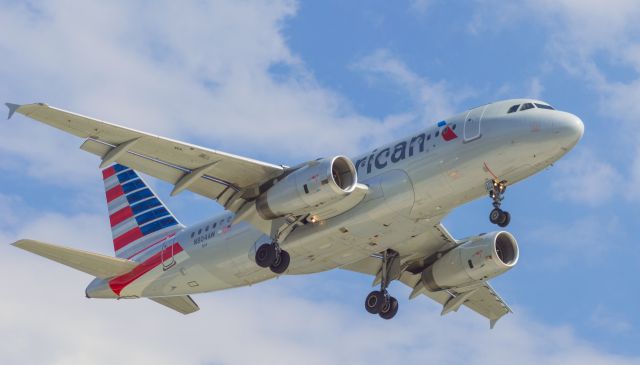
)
(285, 82)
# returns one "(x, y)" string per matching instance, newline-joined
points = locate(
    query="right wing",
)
(480, 297)
(229, 179)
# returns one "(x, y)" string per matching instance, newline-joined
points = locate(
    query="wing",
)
(231, 180)
(479, 297)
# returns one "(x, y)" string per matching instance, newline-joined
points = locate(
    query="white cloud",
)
(581, 238)
(195, 71)
(51, 323)
(433, 100)
(586, 179)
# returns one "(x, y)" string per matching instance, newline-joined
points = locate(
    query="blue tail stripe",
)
(151, 215)
(133, 185)
(158, 225)
(145, 205)
(117, 167)
(139, 195)
(126, 176)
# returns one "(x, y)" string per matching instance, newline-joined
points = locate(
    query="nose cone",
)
(568, 130)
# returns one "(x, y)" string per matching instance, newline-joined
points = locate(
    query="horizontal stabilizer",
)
(183, 304)
(95, 264)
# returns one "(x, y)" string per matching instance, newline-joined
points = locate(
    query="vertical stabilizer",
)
(137, 216)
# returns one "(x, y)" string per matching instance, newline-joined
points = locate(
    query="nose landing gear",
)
(496, 193)
(379, 301)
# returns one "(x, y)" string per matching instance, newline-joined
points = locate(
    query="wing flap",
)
(183, 304)
(95, 264)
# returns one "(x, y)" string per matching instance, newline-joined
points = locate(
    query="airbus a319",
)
(378, 213)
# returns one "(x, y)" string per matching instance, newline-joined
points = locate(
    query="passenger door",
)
(472, 124)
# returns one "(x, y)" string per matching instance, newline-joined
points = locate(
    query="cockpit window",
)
(544, 106)
(513, 108)
(526, 106)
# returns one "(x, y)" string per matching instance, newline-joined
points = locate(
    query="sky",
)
(289, 81)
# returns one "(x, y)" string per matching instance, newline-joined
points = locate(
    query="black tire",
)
(281, 263)
(389, 310)
(266, 255)
(506, 219)
(496, 216)
(374, 302)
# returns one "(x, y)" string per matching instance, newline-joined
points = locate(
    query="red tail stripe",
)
(114, 192)
(119, 216)
(120, 282)
(126, 238)
(107, 173)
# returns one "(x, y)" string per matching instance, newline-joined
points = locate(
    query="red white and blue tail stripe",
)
(136, 214)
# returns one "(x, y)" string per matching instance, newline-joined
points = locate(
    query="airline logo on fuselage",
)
(380, 159)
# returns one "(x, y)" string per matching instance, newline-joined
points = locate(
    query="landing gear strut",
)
(379, 301)
(496, 193)
(272, 256)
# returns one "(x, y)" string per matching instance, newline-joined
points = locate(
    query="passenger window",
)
(199, 231)
(527, 106)
(206, 229)
(513, 108)
(437, 133)
(214, 225)
(429, 136)
(193, 234)
(453, 127)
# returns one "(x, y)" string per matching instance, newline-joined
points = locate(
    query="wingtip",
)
(19, 243)
(12, 109)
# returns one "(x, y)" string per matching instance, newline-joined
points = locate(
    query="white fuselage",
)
(413, 183)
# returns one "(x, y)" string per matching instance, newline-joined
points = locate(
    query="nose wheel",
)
(496, 193)
(379, 301)
(272, 256)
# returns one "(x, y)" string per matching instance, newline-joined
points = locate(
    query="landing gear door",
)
(472, 124)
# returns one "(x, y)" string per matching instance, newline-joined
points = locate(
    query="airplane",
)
(378, 213)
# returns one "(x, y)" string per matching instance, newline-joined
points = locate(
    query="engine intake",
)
(481, 258)
(317, 183)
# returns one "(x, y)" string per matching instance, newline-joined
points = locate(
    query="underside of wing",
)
(231, 180)
(416, 258)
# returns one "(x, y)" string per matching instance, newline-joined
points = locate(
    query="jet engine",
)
(317, 183)
(481, 258)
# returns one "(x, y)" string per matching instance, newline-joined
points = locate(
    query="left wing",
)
(479, 297)
(229, 179)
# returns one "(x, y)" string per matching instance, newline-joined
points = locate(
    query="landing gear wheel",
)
(389, 309)
(496, 216)
(266, 255)
(506, 219)
(496, 191)
(281, 263)
(374, 302)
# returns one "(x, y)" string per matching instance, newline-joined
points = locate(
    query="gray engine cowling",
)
(481, 258)
(317, 183)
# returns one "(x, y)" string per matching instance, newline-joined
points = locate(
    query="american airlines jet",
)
(378, 213)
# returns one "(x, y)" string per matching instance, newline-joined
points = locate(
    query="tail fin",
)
(136, 214)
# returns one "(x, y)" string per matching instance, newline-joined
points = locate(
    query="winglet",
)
(12, 108)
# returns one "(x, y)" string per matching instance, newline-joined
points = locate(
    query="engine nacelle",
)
(317, 183)
(481, 258)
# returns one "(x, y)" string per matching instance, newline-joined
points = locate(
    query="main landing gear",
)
(379, 301)
(272, 256)
(496, 193)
